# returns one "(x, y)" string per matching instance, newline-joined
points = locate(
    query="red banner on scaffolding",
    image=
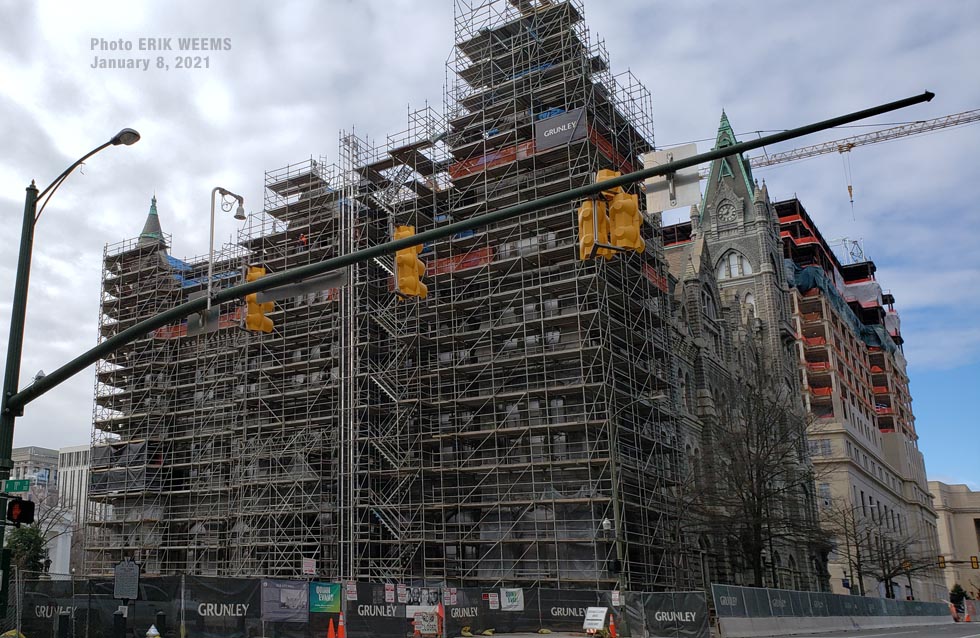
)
(228, 320)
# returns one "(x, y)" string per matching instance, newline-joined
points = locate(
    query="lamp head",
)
(240, 213)
(126, 136)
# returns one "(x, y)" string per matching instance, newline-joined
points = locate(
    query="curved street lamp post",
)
(18, 312)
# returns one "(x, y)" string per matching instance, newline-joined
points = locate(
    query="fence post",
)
(64, 619)
(118, 625)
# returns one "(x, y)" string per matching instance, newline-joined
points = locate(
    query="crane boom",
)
(846, 144)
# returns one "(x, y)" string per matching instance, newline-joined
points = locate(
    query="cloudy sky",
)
(299, 71)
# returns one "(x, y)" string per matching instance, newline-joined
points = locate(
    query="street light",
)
(18, 312)
(226, 204)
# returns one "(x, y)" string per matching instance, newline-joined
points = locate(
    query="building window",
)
(823, 493)
(820, 447)
(733, 264)
(708, 303)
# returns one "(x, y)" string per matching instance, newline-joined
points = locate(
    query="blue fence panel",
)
(755, 602)
(729, 601)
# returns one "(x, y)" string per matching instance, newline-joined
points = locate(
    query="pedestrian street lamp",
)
(227, 201)
(34, 205)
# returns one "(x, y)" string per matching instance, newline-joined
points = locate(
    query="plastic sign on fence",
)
(595, 618)
(325, 598)
(511, 599)
(309, 566)
(427, 623)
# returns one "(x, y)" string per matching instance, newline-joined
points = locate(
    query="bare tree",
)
(756, 493)
(875, 545)
(51, 519)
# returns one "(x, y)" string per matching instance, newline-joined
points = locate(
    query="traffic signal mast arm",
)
(17, 402)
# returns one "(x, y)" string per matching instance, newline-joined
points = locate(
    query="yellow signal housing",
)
(409, 269)
(593, 226)
(624, 215)
(624, 222)
(255, 319)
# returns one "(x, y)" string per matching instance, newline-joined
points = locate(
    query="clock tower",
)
(741, 228)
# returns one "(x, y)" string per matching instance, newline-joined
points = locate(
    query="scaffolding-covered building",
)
(515, 426)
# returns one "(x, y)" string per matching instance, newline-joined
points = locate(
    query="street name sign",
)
(16, 485)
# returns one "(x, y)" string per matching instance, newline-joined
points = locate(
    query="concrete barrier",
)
(750, 612)
(791, 626)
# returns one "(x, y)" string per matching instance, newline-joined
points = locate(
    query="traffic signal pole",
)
(15, 403)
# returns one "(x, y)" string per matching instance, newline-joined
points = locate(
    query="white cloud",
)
(299, 71)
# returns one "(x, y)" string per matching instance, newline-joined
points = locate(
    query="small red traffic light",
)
(20, 512)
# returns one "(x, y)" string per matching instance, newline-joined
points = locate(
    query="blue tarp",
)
(188, 282)
(806, 279)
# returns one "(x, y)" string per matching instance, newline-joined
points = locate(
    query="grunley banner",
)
(215, 607)
(559, 130)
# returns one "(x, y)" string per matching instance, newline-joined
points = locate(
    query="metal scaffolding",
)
(515, 426)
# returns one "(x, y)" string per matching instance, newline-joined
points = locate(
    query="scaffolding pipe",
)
(17, 401)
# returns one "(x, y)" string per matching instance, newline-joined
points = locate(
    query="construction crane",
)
(846, 144)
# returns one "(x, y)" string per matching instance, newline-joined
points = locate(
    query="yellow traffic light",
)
(942, 562)
(624, 215)
(593, 227)
(255, 319)
(625, 221)
(409, 269)
(974, 562)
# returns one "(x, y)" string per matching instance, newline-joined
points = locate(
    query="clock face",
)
(726, 212)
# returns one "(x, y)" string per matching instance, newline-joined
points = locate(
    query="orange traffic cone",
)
(612, 626)
(330, 631)
(341, 630)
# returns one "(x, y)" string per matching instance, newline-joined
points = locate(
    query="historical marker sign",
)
(126, 583)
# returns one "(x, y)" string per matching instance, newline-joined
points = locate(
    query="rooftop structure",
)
(958, 508)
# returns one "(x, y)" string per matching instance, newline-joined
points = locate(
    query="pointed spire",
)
(152, 233)
(726, 136)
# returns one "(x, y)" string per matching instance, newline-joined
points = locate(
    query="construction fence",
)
(206, 607)
(753, 611)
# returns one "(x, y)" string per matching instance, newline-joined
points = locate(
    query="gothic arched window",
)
(733, 264)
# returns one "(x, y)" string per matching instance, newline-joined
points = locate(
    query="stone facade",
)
(734, 328)
(745, 269)
(958, 508)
